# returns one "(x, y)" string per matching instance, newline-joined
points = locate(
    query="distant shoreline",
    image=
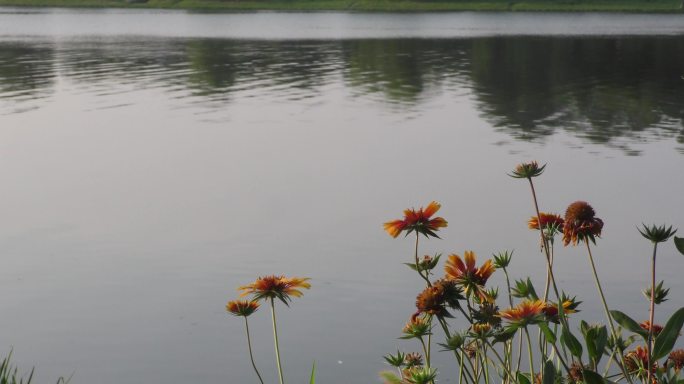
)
(632, 6)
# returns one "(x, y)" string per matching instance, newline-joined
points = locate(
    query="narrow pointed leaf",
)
(390, 378)
(679, 243)
(549, 373)
(313, 374)
(668, 336)
(591, 377)
(571, 342)
(548, 333)
(629, 323)
(522, 379)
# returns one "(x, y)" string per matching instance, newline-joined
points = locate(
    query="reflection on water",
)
(609, 90)
(26, 75)
(600, 89)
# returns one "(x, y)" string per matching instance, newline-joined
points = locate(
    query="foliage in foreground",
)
(538, 326)
(9, 374)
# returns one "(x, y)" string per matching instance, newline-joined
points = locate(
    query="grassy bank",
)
(656, 6)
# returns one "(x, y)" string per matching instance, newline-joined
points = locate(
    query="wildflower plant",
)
(268, 288)
(497, 337)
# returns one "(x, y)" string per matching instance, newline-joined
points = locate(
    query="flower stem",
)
(251, 356)
(275, 338)
(605, 307)
(417, 261)
(549, 260)
(531, 357)
(459, 357)
(651, 316)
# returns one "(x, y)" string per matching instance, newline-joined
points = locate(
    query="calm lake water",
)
(153, 161)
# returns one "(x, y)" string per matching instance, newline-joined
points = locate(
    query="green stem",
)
(605, 308)
(460, 357)
(484, 362)
(503, 364)
(275, 338)
(517, 368)
(251, 356)
(426, 352)
(417, 261)
(531, 357)
(651, 311)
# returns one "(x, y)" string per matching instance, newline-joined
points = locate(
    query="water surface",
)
(152, 161)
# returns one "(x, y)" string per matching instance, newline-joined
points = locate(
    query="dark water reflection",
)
(608, 90)
(597, 88)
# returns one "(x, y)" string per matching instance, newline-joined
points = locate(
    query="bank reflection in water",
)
(26, 75)
(611, 90)
(599, 88)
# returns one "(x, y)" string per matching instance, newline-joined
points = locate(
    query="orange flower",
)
(434, 299)
(677, 359)
(656, 328)
(280, 287)
(636, 361)
(527, 312)
(551, 309)
(581, 224)
(242, 307)
(472, 279)
(417, 220)
(547, 220)
(481, 329)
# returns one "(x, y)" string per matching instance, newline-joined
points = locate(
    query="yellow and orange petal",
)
(524, 312)
(456, 269)
(281, 287)
(656, 327)
(547, 220)
(480, 329)
(395, 227)
(551, 309)
(242, 307)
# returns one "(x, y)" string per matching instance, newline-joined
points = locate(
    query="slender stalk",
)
(503, 364)
(531, 357)
(517, 368)
(417, 261)
(605, 307)
(546, 248)
(484, 362)
(651, 313)
(429, 346)
(460, 357)
(275, 338)
(251, 356)
(426, 352)
(600, 290)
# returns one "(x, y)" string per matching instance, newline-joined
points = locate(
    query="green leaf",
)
(679, 243)
(548, 333)
(629, 323)
(668, 336)
(313, 374)
(571, 342)
(391, 378)
(522, 379)
(591, 377)
(595, 338)
(549, 373)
